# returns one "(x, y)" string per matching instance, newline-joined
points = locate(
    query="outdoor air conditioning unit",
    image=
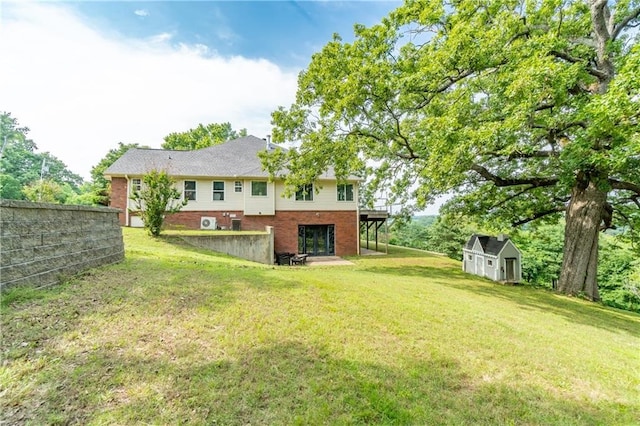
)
(207, 222)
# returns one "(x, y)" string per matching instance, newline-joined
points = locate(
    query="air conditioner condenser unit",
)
(207, 222)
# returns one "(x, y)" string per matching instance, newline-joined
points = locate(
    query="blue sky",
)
(84, 76)
(285, 32)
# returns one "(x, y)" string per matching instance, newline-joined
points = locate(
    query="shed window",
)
(218, 190)
(305, 193)
(237, 186)
(345, 192)
(469, 257)
(259, 188)
(489, 262)
(190, 190)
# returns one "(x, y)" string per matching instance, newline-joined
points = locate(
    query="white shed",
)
(496, 258)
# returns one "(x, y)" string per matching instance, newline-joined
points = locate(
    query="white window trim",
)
(236, 186)
(194, 190)
(308, 197)
(214, 191)
(266, 186)
(344, 186)
(136, 187)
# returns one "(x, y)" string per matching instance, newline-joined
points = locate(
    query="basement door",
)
(316, 240)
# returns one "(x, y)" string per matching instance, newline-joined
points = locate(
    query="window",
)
(218, 190)
(345, 192)
(489, 262)
(190, 190)
(238, 186)
(136, 185)
(259, 189)
(469, 257)
(305, 193)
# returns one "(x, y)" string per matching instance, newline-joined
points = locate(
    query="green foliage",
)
(26, 167)
(100, 185)
(157, 198)
(442, 234)
(10, 188)
(449, 234)
(541, 249)
(413, 233)
(48, 191)
(202, 136)
(507, 105)
(618, 273)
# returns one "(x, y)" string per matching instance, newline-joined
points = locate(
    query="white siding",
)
(259, 205)
(491, 270)
(510, 251)
(325, 199)
(204, 196)
(468, 262)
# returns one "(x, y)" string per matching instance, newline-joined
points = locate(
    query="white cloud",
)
(141, 12)
(81, 92)
(160, 38)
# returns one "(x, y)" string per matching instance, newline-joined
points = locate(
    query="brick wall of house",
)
(118, 198)
(285, 224)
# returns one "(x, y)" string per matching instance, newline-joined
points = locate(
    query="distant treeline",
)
(618, 267)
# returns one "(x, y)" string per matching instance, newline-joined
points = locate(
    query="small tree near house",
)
(157, 198)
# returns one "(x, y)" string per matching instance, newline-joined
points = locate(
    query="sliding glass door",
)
(316, 240)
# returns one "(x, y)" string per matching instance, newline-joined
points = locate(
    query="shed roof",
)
(490, 245)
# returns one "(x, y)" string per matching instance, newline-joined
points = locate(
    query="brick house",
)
(226, 188)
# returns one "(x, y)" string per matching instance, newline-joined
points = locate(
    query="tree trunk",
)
(582, 229)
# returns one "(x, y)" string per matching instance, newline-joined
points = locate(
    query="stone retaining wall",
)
(41, 244)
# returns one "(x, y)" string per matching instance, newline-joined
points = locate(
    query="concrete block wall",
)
(255, 247)
(40, 244)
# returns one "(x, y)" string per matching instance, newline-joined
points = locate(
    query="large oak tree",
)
(523, 110)
(202, 136)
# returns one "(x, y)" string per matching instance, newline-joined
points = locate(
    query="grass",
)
(177, 335)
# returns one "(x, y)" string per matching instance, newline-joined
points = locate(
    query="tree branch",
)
(535, 154)
(448, 82)
(617, 184)
(565, 56)
(623, 24)
(498, 181)
(539, 215)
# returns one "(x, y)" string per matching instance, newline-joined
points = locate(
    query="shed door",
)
(480, 265)
(510, 265)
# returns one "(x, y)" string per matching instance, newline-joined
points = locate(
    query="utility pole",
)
(3, 145)
(43, 169)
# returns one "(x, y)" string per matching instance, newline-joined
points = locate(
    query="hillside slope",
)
(181, 335)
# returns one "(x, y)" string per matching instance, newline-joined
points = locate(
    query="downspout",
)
(126, 206)
(357, 197)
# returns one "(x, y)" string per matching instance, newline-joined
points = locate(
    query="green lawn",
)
(176, 335)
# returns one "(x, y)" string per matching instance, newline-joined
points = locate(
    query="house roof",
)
(235, 158)
(490, 245)
(238, 157)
